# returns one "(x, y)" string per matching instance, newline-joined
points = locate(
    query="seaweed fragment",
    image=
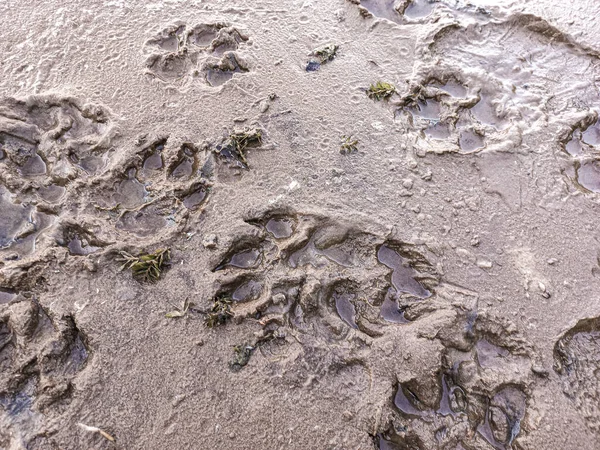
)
(325, 53)
(146, 266)
(241, 356)
(381, 90)
(321, 55)
(349, 145)
(220, 312)
(236, 144)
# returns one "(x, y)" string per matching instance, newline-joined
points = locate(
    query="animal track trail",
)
(577, 361)
(39, 358)
(180, 53)
(342, 300)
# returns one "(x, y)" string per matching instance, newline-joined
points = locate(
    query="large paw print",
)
(181, 53)
(342, 301)
(39, 358)
(47, 143)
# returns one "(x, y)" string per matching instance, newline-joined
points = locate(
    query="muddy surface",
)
(436, 288)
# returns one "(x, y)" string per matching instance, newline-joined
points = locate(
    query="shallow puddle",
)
(427, 109)
(453, 88)
(591, 135)
(93, 164)
(202, 37)
(490, 355)
(418, 9)
(403, 276)
(217, 77)
(130, 193)
(390, 311)
(6, 295)
(154, 159)
(485, 112)
(51, 194)
(247, 259)
(405, 401)
(382, 8)
(195, 199)
(503, 416)
(250, 290)
(80, 246)
(345, 308)
(145, 222)
(33, 167)
(438, 130)
(588, 175)
(316, 257)
(469, 141)
(280, 228)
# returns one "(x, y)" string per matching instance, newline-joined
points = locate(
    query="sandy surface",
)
(436, 288)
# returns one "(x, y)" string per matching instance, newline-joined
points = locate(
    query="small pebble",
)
(210, 241)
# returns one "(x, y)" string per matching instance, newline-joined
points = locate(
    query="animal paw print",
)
(336, 299)
(39, 358)
(180, 53)
(577, 361)
(46, 144)
(583, 147)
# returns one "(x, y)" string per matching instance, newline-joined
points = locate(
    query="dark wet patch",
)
(245, 259)
(247, 291)
(484, 111)
(242, 355)
(6, 295)
(390, 311)
(438, 130)
(490, 355)
(345, 308)
(418, 9)
(186, 165)
(130, 193)
(145, 222)
(92, 164)
(453, 399)
(454, 88)
(310, 254)
(407, 402)
(52, 193)
(429, 109)
(34, 167)
(588, 175)
(79, 246)
(503, 417)
(382, 8)
(217, 77)
(153, 159)
(470, 141)
(280, 228)
(403, 276)
(195, 199)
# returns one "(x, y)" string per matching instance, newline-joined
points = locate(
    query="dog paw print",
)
(332, 299)
(180, 53)
(40, 356)
(47, 143)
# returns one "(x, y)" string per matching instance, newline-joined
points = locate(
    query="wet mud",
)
(435, 288)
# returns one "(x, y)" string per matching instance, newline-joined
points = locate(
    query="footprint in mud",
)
(583, 148)
(345, 295)
(180, 53)
(46, 144)
(39, 359)
(577, 361)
